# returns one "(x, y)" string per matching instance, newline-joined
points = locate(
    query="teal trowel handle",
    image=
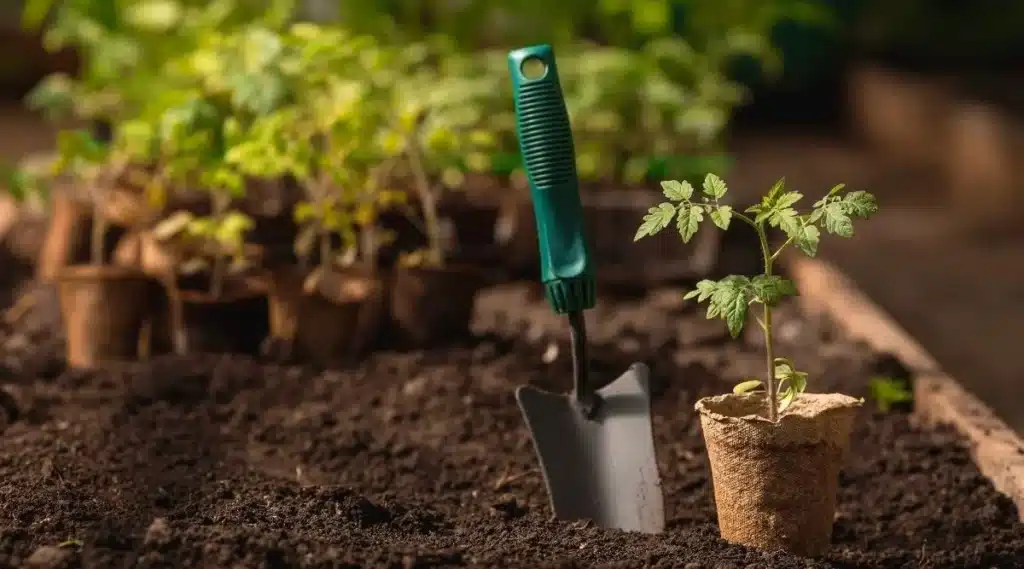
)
(545, 141)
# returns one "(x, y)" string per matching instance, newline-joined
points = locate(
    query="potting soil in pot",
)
(422, 459)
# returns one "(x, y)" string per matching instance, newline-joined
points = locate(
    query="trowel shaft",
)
(581, 386)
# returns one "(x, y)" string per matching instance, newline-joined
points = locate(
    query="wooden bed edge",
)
(938, 398)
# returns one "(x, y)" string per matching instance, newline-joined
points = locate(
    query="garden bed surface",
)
(423, 460)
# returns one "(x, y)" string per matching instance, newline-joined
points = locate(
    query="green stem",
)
(428, 200)
(779, 250)
(766, 318)
(773, 404)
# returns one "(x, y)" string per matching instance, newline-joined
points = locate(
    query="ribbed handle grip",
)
(545, 141)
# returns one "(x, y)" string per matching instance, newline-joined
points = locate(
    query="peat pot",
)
(432, 305)
(775, 483)
(105, 309)
(329, 319)
(236, 321)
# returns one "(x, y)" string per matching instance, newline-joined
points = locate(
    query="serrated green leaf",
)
(836, 220)
(729, 301)
(860, 204)
(806, 239)
(688, 221)
(776, 190)
(657, 218)
(747, 386)
(786, 219)
(787, 199)
(676, 190)
(770, 289)
(714, 187)
(704, 290)
(721, 216)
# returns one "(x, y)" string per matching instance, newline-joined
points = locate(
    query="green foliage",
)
(23, 183)
(662, 94)
(888, 392)
(731, 297)
(125, 45)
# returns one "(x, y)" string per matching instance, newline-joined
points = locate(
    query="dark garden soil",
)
(422, 459)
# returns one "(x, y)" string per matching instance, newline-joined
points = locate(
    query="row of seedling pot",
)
(356, 129)
(326, 314)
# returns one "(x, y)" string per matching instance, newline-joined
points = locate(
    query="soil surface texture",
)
(421, 459)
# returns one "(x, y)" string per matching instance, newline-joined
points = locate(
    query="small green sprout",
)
(889, 392)
(731, 297)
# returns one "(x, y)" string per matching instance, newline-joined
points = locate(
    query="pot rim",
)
(90, 272)
(827, 404)
(479, 275)
(238, 289)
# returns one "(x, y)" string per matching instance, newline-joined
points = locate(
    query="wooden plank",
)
(997, 450)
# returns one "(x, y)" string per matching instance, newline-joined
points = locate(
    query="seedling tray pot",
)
(235, 322)
(431, 305)
(104, 309)
(341, 317)
(775, 484)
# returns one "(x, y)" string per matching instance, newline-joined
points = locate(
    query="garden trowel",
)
(595, 444)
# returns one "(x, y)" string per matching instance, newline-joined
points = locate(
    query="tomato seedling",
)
(731, 297)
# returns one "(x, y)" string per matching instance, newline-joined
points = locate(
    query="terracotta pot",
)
(235, 322)
(335, 318)
(105, 309)
(775, 483)
(433, 305)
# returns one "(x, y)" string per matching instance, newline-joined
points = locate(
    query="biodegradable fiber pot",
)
(430, 305)
(337, 318)
(105, 309)
(775, 483)
(234, 322)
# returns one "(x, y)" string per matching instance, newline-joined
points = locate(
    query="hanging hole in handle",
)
(533, 68)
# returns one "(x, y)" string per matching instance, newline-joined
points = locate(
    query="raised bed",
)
(421, 459)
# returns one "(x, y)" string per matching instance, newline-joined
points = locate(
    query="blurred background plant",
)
(660, 75)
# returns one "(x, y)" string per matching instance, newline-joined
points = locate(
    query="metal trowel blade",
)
(602, 468)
